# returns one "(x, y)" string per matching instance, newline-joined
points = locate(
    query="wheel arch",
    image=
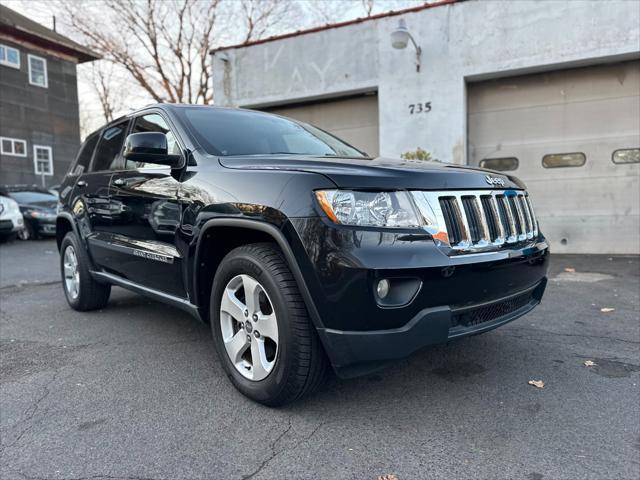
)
(211, 249)
(64, 225)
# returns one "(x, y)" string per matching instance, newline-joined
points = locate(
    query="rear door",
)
(146, 216)
(90, 197)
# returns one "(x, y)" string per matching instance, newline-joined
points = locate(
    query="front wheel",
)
(263, 335)
(28, 232)
(81, 290)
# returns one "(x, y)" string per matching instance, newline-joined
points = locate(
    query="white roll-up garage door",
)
(574, 136)
(353, 119)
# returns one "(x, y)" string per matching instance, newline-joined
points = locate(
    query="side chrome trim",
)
(181, 303)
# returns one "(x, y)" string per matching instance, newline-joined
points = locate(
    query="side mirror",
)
(151, 147)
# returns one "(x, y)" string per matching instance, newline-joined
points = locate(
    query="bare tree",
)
(102, 80)
(262, 16)
(367, 6)
(163, 45)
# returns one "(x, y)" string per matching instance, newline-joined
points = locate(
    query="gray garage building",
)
(546, 90)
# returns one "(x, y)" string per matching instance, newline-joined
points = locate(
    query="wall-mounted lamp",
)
(400, 38)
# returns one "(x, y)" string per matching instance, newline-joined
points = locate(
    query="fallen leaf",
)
(389, 476)
(589, 363)
(537, 383)
(607, 309)
(570, 269)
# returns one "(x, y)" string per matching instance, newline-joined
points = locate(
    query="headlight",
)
(369, 209)
(41, 215)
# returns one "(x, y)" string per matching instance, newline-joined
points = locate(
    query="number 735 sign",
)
(416, 108)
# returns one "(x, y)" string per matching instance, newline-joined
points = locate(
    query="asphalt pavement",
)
(135, 391)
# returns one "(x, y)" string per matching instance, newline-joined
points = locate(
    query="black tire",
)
(92, 295)
(28, 232)
(301, 363)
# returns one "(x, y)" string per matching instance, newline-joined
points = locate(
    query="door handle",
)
(119, 182)
(81, 184)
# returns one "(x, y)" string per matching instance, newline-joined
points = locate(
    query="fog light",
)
(382, 289)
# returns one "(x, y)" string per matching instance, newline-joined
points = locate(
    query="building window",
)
(626, 155)
(38, 71)
(9, 56)
(502, 164)
(560, 160)
(13, 146)
(42, 160)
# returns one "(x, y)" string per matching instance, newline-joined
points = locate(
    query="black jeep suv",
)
(297, 248)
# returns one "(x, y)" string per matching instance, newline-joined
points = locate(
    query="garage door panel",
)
(556, 88)
(594, 111)
(584, 234)
(554, 122)
(598, 157)
(584, 196)
(354, 119)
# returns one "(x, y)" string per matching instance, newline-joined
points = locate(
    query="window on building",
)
(42, 160)
(13, 146)
(38, 71)
(560, 160)
(9, 56)
(502, 164)
(626, 155)
(109, 151)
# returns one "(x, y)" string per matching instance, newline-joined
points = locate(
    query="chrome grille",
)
(478, 220)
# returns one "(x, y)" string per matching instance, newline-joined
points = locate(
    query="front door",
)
(90, 195)
(146, 216)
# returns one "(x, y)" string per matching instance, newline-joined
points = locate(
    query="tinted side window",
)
(108, 153)
(84, 155)
(153, 123)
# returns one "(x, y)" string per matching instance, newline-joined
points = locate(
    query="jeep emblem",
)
(494, 180)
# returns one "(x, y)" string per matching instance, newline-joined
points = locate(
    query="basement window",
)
(9, 56)
(38, 71)
(561, 160)
(502, 164)
(42, 160)
(626, 155)
(13, 146)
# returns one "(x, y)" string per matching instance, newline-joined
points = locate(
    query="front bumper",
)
(11, 225)
(458, 294)
(45, 227)
(355, 353)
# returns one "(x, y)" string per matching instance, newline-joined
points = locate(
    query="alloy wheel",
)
(71, 274)
(249, 327)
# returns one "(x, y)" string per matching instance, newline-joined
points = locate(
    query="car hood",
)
(379, 173)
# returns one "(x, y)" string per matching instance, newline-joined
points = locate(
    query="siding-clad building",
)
(39, 120)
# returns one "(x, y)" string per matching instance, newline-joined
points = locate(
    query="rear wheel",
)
(263, 335)
(81, 290)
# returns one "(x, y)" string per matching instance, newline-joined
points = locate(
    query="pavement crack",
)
(23, 285)
(30, 413)
(274, 453)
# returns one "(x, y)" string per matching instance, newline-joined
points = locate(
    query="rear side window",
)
(153, 122)
(84, 155)
(626, 155)
(560, 160)
(502, 164)
(108, 154)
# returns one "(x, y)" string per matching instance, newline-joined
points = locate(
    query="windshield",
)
(229, 132)
(25, 198)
